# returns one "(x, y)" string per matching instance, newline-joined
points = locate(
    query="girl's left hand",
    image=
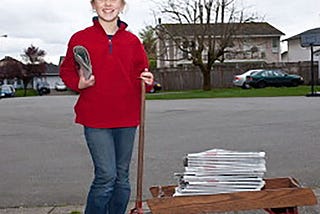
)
(147, 76)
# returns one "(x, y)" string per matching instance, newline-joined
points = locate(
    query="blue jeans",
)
(111, 151)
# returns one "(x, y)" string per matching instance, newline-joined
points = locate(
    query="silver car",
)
(240, 80)
(60, 86)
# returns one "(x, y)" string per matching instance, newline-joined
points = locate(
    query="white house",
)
(51, 75)
(254, 41)
(297, 53)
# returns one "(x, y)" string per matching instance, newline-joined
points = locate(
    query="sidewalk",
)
(70, 209)
(44, 210)
(78, 209)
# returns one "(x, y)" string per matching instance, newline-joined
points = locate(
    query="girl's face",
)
(108, 10)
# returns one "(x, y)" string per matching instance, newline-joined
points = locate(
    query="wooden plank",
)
(282, 192)
(277, 183)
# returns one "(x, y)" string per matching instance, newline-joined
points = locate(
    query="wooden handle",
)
(141, 147)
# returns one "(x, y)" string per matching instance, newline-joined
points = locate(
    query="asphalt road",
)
(44, 160)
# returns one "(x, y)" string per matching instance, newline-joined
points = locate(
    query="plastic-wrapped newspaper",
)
(221, 171)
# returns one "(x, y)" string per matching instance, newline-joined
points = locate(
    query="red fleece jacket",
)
(114, 100)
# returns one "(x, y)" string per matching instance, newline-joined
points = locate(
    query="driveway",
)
(44, 160)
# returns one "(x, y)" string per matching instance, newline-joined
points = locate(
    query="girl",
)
(109, 102)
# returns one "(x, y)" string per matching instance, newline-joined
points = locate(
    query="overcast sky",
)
(48, 24)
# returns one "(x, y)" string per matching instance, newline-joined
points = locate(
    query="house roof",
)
(8, 59)
(312, 31)
(241, 29)
(9, 65)
(52, 69)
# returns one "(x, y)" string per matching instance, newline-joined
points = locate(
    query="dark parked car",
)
(43, 88)
(275, 78)
(7, 91)
(156, 87)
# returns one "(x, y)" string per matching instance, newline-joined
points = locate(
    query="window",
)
(275, 45)
(185, 47)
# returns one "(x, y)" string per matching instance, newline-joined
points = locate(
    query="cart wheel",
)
(288, 210)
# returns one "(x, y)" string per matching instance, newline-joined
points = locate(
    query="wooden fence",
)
(190, 77)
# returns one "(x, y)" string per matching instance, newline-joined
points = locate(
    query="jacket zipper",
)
(110, 46)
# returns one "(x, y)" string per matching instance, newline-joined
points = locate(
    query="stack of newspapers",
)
(221, 171)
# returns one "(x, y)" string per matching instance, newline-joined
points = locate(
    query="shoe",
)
(82, 57)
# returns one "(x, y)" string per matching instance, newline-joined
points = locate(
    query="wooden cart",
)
(280, 195)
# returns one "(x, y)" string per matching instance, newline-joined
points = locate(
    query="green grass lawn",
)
(216, 93)
(30, 92)
(233, 92)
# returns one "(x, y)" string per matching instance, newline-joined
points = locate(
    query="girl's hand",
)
(147, 76)
(85, 83)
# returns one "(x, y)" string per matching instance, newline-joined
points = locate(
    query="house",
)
(254, 41)
(11, 65)
(297, 53)
(51, 75)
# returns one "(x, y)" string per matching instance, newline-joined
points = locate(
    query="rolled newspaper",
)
(81, 56)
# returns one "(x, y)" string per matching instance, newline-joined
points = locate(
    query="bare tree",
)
(214, 26)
